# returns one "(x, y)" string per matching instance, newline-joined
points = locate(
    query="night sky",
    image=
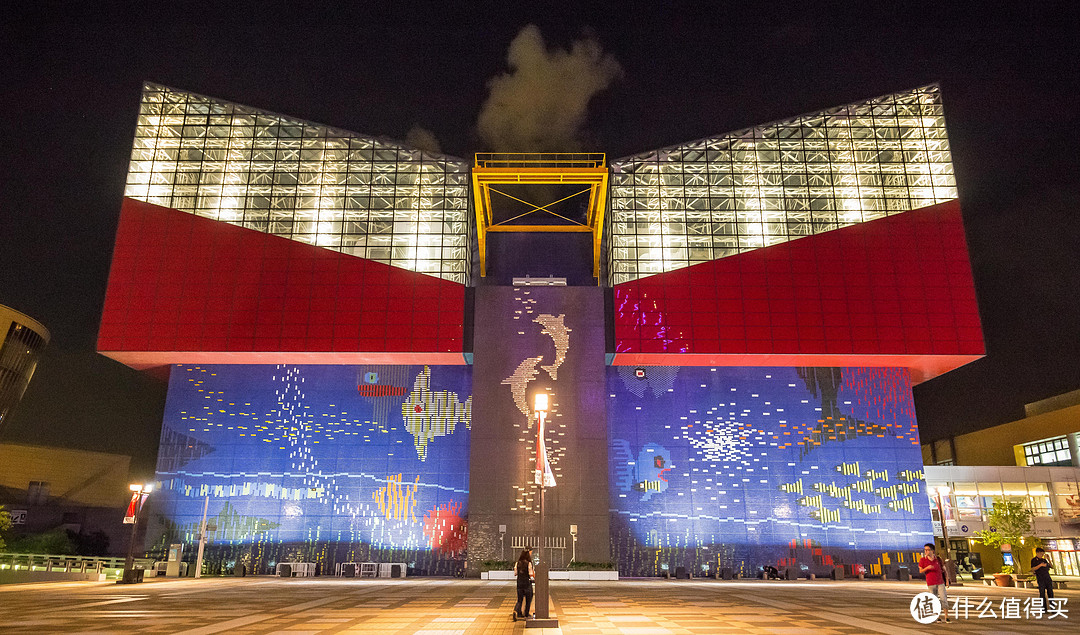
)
(71, 85)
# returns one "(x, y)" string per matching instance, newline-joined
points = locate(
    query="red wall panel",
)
(186, 289)
(897, 291)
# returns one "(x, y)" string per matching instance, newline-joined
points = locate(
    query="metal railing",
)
(111, 567)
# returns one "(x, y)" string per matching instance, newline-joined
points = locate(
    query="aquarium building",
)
(728, 330)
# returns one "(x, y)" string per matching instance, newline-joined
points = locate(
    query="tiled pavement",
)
(444, 606)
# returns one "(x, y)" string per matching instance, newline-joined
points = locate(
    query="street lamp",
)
(139, 492)
(939, 491)
(540, 407)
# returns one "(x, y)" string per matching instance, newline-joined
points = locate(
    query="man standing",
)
(1040, 566)
(930, 565)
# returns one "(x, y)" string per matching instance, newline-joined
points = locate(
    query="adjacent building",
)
(1033, 461)
(727, 330)
(23, 340)
(49, 488)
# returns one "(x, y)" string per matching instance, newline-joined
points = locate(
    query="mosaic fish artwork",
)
(428, 413)
(898, 490)
(792, 488)
(647, 474)
(848, 469)
(555, 327)
(826, 515)
(910, 475)
(865, 486)
(519, 382)
(862, 506)
(906, 504)
(877, 475)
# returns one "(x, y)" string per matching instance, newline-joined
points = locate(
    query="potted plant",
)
(1011, 524)
(1005, 577)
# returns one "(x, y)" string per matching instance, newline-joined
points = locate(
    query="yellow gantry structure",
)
(584, 169)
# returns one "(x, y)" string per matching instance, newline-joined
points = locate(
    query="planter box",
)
(583, 575)
(1003, 579)
(497, 575)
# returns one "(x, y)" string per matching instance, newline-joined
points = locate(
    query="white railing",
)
(111, 567)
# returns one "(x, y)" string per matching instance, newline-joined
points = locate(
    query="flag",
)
(543, 475)
(133, 508)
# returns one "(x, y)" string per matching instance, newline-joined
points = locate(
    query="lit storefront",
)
(967, 494)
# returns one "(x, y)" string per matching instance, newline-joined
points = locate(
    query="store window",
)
(967, 501)
(1067, 500)
(1039, 499)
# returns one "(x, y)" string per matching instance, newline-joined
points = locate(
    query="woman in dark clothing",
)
(523, 569)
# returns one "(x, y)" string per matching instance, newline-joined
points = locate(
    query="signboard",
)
(18, 516)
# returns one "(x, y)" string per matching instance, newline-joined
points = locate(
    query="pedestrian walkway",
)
(433, 606)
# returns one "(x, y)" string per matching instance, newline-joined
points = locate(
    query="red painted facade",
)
(897, 291)
(186, 289)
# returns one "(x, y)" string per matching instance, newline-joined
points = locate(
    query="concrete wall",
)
(514, 358)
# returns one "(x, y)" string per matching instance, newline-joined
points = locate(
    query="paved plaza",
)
(448, 606)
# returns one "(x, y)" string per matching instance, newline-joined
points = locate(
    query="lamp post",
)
(939, 491)
(540, 406)
(139, 492)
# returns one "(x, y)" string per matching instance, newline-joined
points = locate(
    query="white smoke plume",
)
(422, 139)
(540, 105)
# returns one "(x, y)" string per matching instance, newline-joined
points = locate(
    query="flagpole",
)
(541, 407)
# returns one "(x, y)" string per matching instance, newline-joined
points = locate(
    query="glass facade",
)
(973, 501)
(315, 184)
(732, 193)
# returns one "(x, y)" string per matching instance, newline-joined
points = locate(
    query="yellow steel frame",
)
(494, 169)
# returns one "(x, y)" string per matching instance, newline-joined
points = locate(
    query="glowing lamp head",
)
(139, 487)
(135, 487)
(540, 402)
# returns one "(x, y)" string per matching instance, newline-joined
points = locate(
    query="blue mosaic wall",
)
(317, 463)
(745, 467)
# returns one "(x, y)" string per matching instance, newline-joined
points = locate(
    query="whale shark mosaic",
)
(762, 459)
(303, 464)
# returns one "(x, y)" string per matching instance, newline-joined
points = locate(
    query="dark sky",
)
(70, 89)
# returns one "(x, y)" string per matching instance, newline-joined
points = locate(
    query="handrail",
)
(65, 562)
(540, 159)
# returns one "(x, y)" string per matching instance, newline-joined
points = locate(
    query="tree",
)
(1010, 524)
(5, 525)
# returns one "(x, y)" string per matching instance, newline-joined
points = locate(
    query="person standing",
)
(1041, 566)
(934, 569)
(524, 572)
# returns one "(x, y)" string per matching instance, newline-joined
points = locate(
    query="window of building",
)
(1067, 495)
(37, 493)
(1048, 452)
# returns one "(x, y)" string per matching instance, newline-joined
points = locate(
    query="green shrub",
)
(578, 565)
(5, 525)
(496, 565)
(53, 542)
